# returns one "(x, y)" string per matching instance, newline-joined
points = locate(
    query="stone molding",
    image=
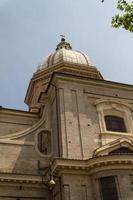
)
(93, 165)
(36, 143)
(117, 108)
(20, 178)
(16, 142)
(65, 67)
(121, 142)
(21, 113)
(27, 131)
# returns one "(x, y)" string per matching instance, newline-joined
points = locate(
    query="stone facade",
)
(62, 148)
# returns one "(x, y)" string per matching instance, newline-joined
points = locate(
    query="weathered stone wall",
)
(80, 128)
(12, 121)
(123, 182)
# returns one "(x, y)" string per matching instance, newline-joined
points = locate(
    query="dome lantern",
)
(63, 44)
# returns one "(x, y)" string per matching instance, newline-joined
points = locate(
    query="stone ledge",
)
(94, 164)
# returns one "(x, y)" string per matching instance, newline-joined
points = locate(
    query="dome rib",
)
(85, 56)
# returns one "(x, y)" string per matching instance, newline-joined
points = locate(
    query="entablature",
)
(95, 164)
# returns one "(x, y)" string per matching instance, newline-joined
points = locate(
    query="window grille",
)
(108, 188)
(114, 123)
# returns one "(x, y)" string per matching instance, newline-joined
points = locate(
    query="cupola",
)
(63, 60)
(64, 54)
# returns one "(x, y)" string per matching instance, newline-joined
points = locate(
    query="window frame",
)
(116, 108)
(115, 123)
(41, 142)
(115, 186)
(36, 143)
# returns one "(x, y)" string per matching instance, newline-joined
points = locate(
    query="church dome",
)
(64, 53)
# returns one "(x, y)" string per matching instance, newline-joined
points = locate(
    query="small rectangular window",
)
(108, 188)
(114, 123)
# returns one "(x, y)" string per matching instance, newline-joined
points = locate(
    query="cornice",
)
(69, 70)
(83, 75)
(73, 166)
(20, 178)
(92, 81)
(69, 65)
(21, 113)
(66, 67)
(96, 164)
(59, 76)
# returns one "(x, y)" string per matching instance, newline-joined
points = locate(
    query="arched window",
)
(115, 123)
(114, 116)
(44, 142)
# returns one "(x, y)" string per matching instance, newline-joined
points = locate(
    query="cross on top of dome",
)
(62, 38)
(63, 44)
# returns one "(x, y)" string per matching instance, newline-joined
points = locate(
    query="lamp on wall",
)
(51, 182)
(47, 173)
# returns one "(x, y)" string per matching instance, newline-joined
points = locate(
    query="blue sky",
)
(30, 30)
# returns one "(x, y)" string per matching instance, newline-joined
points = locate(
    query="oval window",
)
(44, 142)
